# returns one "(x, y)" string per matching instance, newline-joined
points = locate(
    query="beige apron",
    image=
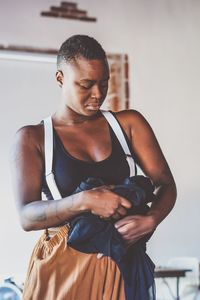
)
(59, 272)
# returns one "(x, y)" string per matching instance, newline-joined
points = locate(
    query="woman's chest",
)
(91, 145)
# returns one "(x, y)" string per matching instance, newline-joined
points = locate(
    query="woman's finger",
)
(121, 210)
(124, 228)
(124, 221)
(116, 216)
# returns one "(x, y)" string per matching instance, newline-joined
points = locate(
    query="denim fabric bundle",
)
(91, 234)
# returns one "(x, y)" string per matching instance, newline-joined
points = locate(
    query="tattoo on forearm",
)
(41, 215)
(57, 213)
(71, 202)
(38, 214)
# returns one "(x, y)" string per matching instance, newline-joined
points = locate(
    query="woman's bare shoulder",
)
(129, 116)
(30, 133)
(29, 137)
(131, 120)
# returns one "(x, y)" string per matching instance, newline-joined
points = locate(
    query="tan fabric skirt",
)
(58, 272)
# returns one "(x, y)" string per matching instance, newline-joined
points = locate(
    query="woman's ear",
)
(59, 77)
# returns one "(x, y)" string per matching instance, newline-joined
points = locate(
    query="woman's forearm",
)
(51, 213)
(165, 200)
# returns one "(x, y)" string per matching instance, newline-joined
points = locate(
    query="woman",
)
(85, 145)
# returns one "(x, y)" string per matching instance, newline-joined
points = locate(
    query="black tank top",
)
(69, 171)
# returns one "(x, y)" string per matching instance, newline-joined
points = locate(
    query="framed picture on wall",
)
(118, 90)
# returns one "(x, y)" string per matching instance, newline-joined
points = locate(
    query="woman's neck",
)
(69, 117)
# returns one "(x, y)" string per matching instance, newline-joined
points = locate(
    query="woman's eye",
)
(85, 86)
(89, 86)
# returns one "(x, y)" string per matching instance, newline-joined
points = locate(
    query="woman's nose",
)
(97, 92)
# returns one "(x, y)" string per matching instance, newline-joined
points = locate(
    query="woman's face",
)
(84, 84)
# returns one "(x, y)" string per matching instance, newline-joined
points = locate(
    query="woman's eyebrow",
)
(85, 79)
(90, 80)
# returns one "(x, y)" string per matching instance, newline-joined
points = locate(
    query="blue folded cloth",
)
(90, 234)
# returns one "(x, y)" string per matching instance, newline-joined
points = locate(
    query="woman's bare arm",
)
(154, 165)
(27, 165)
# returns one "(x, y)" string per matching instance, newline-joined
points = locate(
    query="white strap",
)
(118, 131)
(48, 150)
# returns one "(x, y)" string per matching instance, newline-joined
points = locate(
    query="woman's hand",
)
(103, 202)
(133, 228)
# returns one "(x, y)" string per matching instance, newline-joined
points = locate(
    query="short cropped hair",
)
(79, 46)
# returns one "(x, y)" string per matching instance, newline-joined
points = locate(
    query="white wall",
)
(162, 40)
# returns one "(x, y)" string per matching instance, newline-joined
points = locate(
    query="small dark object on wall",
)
(68, 10)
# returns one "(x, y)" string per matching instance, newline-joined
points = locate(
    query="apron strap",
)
(120, 135)
(48, 147)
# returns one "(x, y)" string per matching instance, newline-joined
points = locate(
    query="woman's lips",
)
(93, 106)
